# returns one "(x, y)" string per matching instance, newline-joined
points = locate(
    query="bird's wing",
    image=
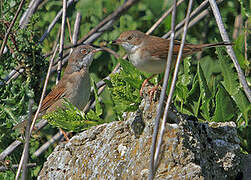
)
(57, 93)
(159, 48)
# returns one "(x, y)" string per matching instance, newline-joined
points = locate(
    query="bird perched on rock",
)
(149, 53)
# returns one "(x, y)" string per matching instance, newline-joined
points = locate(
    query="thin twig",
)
(17, 143)
(15, 74)
(245, 40)
(162, 95)
(194, 21)
(76, 28)
(10, 27)
(169, 98)
(61, 46)
(116, 14)
(230, 50)
(29, 12)
(157, 23)
(44, 89)
(24, 159)
(10, 149)
(3, 168)
(69, 28)
(59, 14)
(195, 15)
(46, 145)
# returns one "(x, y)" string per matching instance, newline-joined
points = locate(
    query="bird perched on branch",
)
(149, 53)
(75, 84)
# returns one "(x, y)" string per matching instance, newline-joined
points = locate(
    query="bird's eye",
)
(83, 51)
(130, 37)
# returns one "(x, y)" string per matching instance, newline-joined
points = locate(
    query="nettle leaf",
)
(231, 84)
(224, 110)
(182, 91)
(70, 118)
(239, 51)
(194, 97)
(124, 87)
(230, 79)
(130, 70)
(205, 94)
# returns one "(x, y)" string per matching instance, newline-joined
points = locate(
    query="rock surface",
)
(121, 150)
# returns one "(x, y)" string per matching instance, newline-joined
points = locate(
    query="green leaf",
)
(194, 98)
(205, 94)
(224, 110)
(98, 107)
(230, 79)
(71, 118)
(231, 84)
(239, 51)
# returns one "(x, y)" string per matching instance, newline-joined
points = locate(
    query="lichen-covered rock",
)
(121, 150)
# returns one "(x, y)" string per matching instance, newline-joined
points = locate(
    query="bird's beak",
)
(97, 49)
(117, 42)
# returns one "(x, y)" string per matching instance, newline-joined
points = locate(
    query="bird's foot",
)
(152, 91)
(144, 84)
(65, 135)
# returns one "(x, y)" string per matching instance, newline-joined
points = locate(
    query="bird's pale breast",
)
(146, 63)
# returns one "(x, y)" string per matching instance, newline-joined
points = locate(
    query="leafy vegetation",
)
(71, 118)
(124, 87)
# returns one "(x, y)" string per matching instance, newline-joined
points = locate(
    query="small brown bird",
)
(149, 53)
(75, 83)
(74, 86)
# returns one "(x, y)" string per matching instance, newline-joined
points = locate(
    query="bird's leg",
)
(65, 135)
(144, 83)
(153, 89)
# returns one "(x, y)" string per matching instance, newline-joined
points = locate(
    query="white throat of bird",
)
(130, 48)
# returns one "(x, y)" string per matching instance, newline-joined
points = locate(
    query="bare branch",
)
(24, 159)
(10, 27)
(176, 70)
(55, 21)
(69, 28)
(24, 20)
(3, 168)
(194, 15)
(116, 14)
(44, 89)
(162, 95)
(245, 40)
(157, 23)
(76, 28)
(194, 21)
(45, 146)
(16, 143)
(10, 149)
(61, 46)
